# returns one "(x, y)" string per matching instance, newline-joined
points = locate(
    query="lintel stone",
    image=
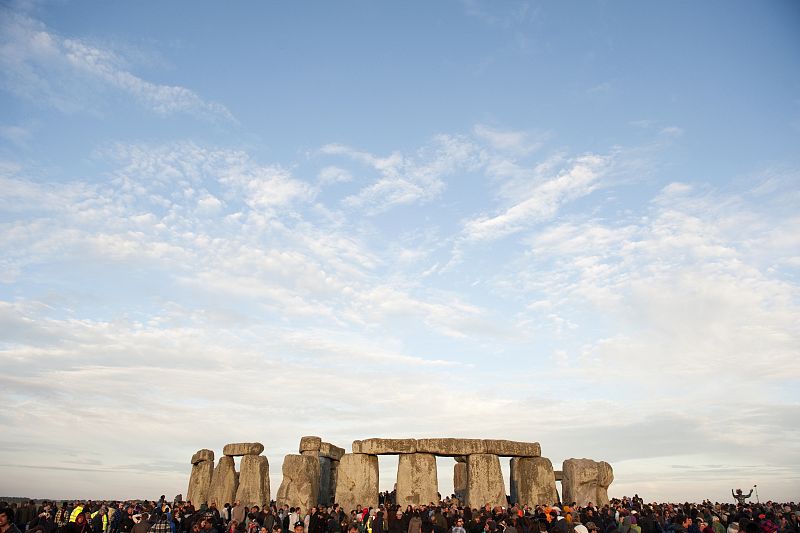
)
(202, 455)
(243, 448)
(384, 446)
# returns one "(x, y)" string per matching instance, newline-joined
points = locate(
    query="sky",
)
(576, 223)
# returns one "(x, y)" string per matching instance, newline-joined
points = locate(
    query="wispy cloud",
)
(70, 73)
(578, 178)
(405, 179)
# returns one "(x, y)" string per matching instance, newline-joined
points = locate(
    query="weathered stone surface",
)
(513, 483)
(447, 447)
(451, 447)
(325, 496)
(300, 484)
(310, 444)
(605, 477)
(460, 480)
(485, 481)
(224, 483)
(203, 455)
(253, 481)
(200, 482)
(535, 481)
(417, 481)
(511, 448)
(334, 479)
(559, 474)
(243, 448)
(330, 451)
(357, 483)
(384, 446)
(585, 480)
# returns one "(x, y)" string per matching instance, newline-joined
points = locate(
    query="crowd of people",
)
(628, 515)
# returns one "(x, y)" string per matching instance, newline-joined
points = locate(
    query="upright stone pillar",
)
(585, 480)
(333, 480)
(325, 469)
(254, 481)
(224, 483)
(417, 482)
(357, 483)
(485, 481)
(460, 479)
(300, 484)
(536, 481)
(513, 483)
(200, 479)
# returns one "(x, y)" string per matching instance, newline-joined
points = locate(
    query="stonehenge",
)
(358, 481)
(202, 472)
(585, 480)
(323, 474)
(460, 480)
(485, 481)
(254, 481)
(533, 481)
(417, 482)
(300, 485)
(328, 456)
(224, 483)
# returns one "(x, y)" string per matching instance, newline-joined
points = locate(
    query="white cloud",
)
(409, 179)
(69, 73)
(514, 142)
(580, 178)
(332, 174)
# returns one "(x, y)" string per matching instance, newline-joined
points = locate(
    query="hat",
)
(591, 526)
(300, 523)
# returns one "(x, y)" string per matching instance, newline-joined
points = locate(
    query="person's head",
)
(6, 517)
(460, 522)
(352, 529)
(299, 526)
(591, 527)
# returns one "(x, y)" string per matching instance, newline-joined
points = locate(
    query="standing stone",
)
(485, 481)
(254, 481)
(460, 480)
(357, 483)
(585, 480)
(200, 482)
(334, 479)
(535, 481)
(417, 482)
(513, 483)
(325, 468)
(300, 484)
(224, 483)
(605, 477)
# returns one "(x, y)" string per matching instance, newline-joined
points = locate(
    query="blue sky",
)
(571, 222)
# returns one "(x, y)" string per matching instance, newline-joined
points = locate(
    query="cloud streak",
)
(67, 73)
